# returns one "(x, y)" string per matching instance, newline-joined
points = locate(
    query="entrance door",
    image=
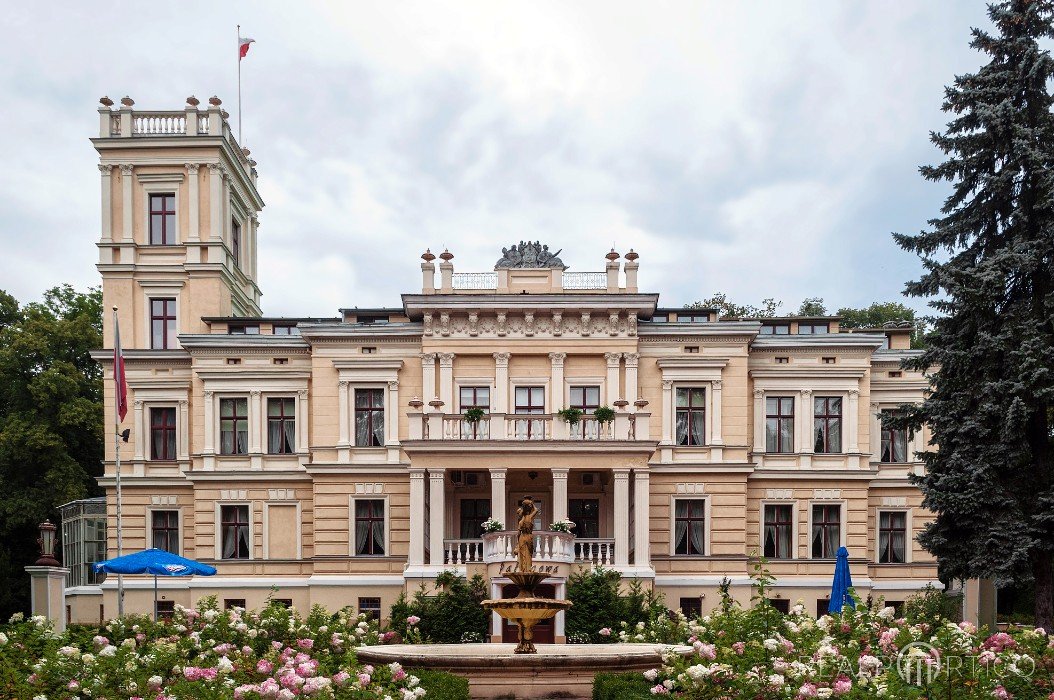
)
(544, 631)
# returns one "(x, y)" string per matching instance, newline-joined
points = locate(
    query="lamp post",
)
(46, 542)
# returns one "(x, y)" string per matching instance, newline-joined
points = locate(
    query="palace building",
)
(341, 460)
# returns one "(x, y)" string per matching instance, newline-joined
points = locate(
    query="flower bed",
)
(206, 654)
(759, 653)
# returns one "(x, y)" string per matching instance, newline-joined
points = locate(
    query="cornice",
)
(341, 332)
(744, 329)
(634, 447)
(240, 342)
(252, 374)
(820, 341)
(418, 304)
(155, 357)
(807, 474)
(813, 372)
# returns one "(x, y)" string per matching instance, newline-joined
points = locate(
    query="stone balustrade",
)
(528, 427)
(549, 547)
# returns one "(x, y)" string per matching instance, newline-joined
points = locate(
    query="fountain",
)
(526, 609)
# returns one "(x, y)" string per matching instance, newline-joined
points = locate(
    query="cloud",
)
(756, 149)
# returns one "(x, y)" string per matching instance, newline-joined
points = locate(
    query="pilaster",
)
(303, 426)
(759, 421)
(344, 420)
(437, 515)
(446, 380)
(632, 360)
(641, 518)
(668, 410)
(559, 493)
(127, 205)
(428, 378)
(106, 229)
(716, 396)
(193, 204)
(416, 555)
(613, 390)
(621, 513)
(256, 422)
(497, 494)
(141, 434)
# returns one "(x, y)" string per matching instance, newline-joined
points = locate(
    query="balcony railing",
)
(585, 280)
(549, 547)
(474, 280)
(528, 427)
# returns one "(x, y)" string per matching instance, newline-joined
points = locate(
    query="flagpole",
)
(239, 45)
(117, 459)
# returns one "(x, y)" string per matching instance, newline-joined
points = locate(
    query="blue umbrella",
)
(157, 562)
(841, 584)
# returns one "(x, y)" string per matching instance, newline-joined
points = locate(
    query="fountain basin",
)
(496, 671)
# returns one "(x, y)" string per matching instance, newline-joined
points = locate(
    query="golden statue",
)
(526, 511)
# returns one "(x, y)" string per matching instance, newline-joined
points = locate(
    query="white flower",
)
(72, 652)
(3, 639)
(210, 615)
(18, 617)
(224, 665)
(651, 674)
(887, 613)
(824, 692)
(87, 659)
(776, 680)
(40, 697)
(129, 643)
(108, 650)
(771, 644)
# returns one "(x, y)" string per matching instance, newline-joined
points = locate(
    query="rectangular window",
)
(779, 524)
(234, 532)
(369, 417)
(689, 526)
(826, 530)
(243, 329)
(163, 219)
(530, 400)
(892, 537)
(894, 440)
(234, 426)
(281, 426)
(776, 329)
(282, 602)
(585, 514)
(692, 608)
(475, 397)
(369, 527)
(236, 243)
(693, 318)
(827, 424)
(231, 603)
(370, 607)
(585, 398)
(780, 604)
(164, 530)
(162, 323)
(779, 424)
(473, 512)
(163, 434)
(660, 318)
(166, 610)
(821, 606)
(285, 329)
(813, 328)
(691, 414)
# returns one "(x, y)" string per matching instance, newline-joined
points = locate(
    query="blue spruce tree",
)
(988, 270)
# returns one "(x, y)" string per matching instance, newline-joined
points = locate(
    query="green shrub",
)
(451, 616)
(621, 686)
(597, 603)
(442, 685)
(933, 607)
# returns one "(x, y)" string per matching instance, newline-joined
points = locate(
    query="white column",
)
(107, 202)
(392, 412)
(805, 420)
(501, 394)
(621, 518)
(126, 204)
(642, 519)
(210, 424)
(853, 424)
(193, 203)
(215, 203)
(446, 380)
(497, 494)
(559, 493)
(632, 360)
(142, 436)
(613, 393)
(416, 556)
(715, 413)
(556, 359)
(184, 429)
(343, 403)
(428, 378)
(667, 411)
(437, 514)
(303, 427)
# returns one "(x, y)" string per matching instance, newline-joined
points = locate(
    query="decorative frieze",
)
(894, 501)
(369, 489)
(233, 494)
(779, 494)
(281, 494)
(163, 500)
(826, 494)
(697, 489)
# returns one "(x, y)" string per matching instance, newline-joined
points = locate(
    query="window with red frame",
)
(281, 426)
(779, 424)
(164, 530)
(369, 417)
(163, 434)
(827, 424)
(691, 416)
(779, 533)
(530, 400)
(369, 527)
(894, 440)
(163, 219)
(162, 323)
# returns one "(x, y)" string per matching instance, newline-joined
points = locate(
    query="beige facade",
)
(331, 459)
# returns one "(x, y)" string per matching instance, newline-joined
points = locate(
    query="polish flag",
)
(243, 46)
(120, 381)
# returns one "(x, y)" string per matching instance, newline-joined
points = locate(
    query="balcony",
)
(524, 427)
(549, 548)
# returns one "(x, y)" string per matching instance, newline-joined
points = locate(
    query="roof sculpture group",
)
(528, 254)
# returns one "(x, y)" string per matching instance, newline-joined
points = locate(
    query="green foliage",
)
(880, 314)
(932, 606)
(812, 306)
(570, 415)
(598, 603)
(621, 686)
(474, 415)
(604, 414)
(442, 685)
(729, 309)
(988, 274)
(452, 615)
(51, 421)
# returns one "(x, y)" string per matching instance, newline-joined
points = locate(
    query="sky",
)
(760, 149)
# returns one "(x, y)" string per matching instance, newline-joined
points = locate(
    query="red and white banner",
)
(243, 46)
(119, 379)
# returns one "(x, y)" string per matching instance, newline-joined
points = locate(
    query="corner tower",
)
(179, 221)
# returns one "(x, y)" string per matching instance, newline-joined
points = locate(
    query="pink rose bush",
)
(759, 653)
(201, 654)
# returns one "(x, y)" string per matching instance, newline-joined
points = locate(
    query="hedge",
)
(621, 686)
(442, 685)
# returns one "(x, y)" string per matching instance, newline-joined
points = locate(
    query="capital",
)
(255, 393)
(716, 384)
(854, 393)
(759, 393)
(393, 385)
(208, 394)
(126, 168)
(105, 168)
(138, 403)
(667, 384)
(302, 393)
(501, 359)
(192, 168)
(557, 358)
(613, 358)
(631, 358)
(428, 358)
(446, 359)
(343, 383)
(806, 393)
